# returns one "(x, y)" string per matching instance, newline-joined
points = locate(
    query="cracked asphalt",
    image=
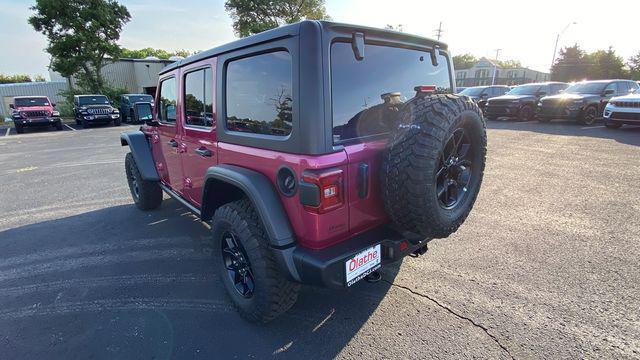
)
(546, 266)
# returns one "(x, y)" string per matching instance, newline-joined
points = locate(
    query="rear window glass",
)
(259, 94)
(367, 94)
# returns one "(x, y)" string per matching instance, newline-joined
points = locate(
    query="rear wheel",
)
(433, 167)
(589, 116)
(147, 195)
(525, 114)
(246, 264)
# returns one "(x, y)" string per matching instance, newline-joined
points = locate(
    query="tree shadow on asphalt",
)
(627, 134)
(118, 282)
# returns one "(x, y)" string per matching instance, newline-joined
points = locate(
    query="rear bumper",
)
(326, 267)
(37, 121)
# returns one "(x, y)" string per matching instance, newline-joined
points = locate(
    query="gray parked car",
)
(128, 100)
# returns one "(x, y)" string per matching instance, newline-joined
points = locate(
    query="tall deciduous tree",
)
(254, 16)
(571, 65)
(606, 64)
(464, 61)
(634, 66)
(82, 34)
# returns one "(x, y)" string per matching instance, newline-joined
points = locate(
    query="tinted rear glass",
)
(367, 94)
(140, 98)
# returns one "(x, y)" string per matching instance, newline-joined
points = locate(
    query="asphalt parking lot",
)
(545, 267)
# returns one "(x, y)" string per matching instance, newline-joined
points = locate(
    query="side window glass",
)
(198, 104)
(259, 96)
(623, 88)
(167, 101)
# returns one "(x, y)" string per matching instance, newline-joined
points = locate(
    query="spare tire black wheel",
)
(433, 167)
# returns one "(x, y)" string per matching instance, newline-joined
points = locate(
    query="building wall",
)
(481, 73)
(50, 89)
(132, 74)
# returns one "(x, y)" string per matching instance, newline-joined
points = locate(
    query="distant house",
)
(481, 73)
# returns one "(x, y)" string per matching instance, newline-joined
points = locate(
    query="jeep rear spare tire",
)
(434, 163)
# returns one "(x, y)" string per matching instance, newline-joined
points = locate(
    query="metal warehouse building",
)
(51, 89)
(135, 75)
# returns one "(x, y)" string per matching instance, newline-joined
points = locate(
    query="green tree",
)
(605, 64)
(10, 79)
(508, 64)
(571, 65)
(464, 61)
(634, 66)
(254, 16)
(159, 53)
(82, 36)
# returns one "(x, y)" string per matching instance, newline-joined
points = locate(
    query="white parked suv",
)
(622, 110)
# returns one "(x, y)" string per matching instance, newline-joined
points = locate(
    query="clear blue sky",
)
(525, 33)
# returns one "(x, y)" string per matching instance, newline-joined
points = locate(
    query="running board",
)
(179, 198)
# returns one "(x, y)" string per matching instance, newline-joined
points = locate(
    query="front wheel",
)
(19, 129)
(247, 266)
(117, 122)
(589, 116)
(147, 195)
(525, 114)
(58, 125)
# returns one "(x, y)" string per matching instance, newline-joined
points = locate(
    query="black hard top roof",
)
(292, 30)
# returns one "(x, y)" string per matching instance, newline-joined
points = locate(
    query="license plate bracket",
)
(362, 264)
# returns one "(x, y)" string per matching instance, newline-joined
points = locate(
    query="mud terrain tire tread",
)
(150, 192)
(412, 159)
(274, 294)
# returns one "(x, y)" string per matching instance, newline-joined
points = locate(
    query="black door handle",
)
(173, 143)
(203, 152)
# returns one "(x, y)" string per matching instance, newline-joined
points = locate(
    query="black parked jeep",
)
(583, 101)
(94, 109)
(521, 101)
(127, 101)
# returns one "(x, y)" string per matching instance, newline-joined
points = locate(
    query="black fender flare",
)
(259, 189)
(139, 145)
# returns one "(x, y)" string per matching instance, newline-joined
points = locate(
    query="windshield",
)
(525, 90)
(586, 88)
(93, 100)
(35, 101)
(140, 98)
(474, 91)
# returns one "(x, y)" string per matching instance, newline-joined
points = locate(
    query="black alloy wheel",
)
(237, 264)
(455, 170)
(590, 115)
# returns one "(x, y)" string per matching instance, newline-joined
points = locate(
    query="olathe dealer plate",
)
(362, 264)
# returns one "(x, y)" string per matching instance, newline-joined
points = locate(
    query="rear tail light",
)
(322, 191)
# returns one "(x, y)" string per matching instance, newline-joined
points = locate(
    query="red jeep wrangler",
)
(339, 149)
(34, 111)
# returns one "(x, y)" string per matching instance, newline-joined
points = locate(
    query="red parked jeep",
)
(34, 111)
(339, 149)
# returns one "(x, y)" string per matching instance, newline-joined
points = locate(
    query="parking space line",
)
(8, 131)
(591, 127)
(70, 127)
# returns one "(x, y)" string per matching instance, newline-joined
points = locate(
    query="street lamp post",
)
(495, 68)
(555, 48)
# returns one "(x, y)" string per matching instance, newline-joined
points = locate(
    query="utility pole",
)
(555, 48)
(438, 31)
(495, 67)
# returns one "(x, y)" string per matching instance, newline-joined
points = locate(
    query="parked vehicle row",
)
(32, 111)
(584, 101)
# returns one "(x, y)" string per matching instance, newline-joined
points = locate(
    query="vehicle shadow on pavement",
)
(626, 135)
(121, 283)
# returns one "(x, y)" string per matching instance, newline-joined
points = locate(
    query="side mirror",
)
(561, 91)
(11, 106)
(542, 93)
(53, 104)
(142, 112)
(609, 92)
